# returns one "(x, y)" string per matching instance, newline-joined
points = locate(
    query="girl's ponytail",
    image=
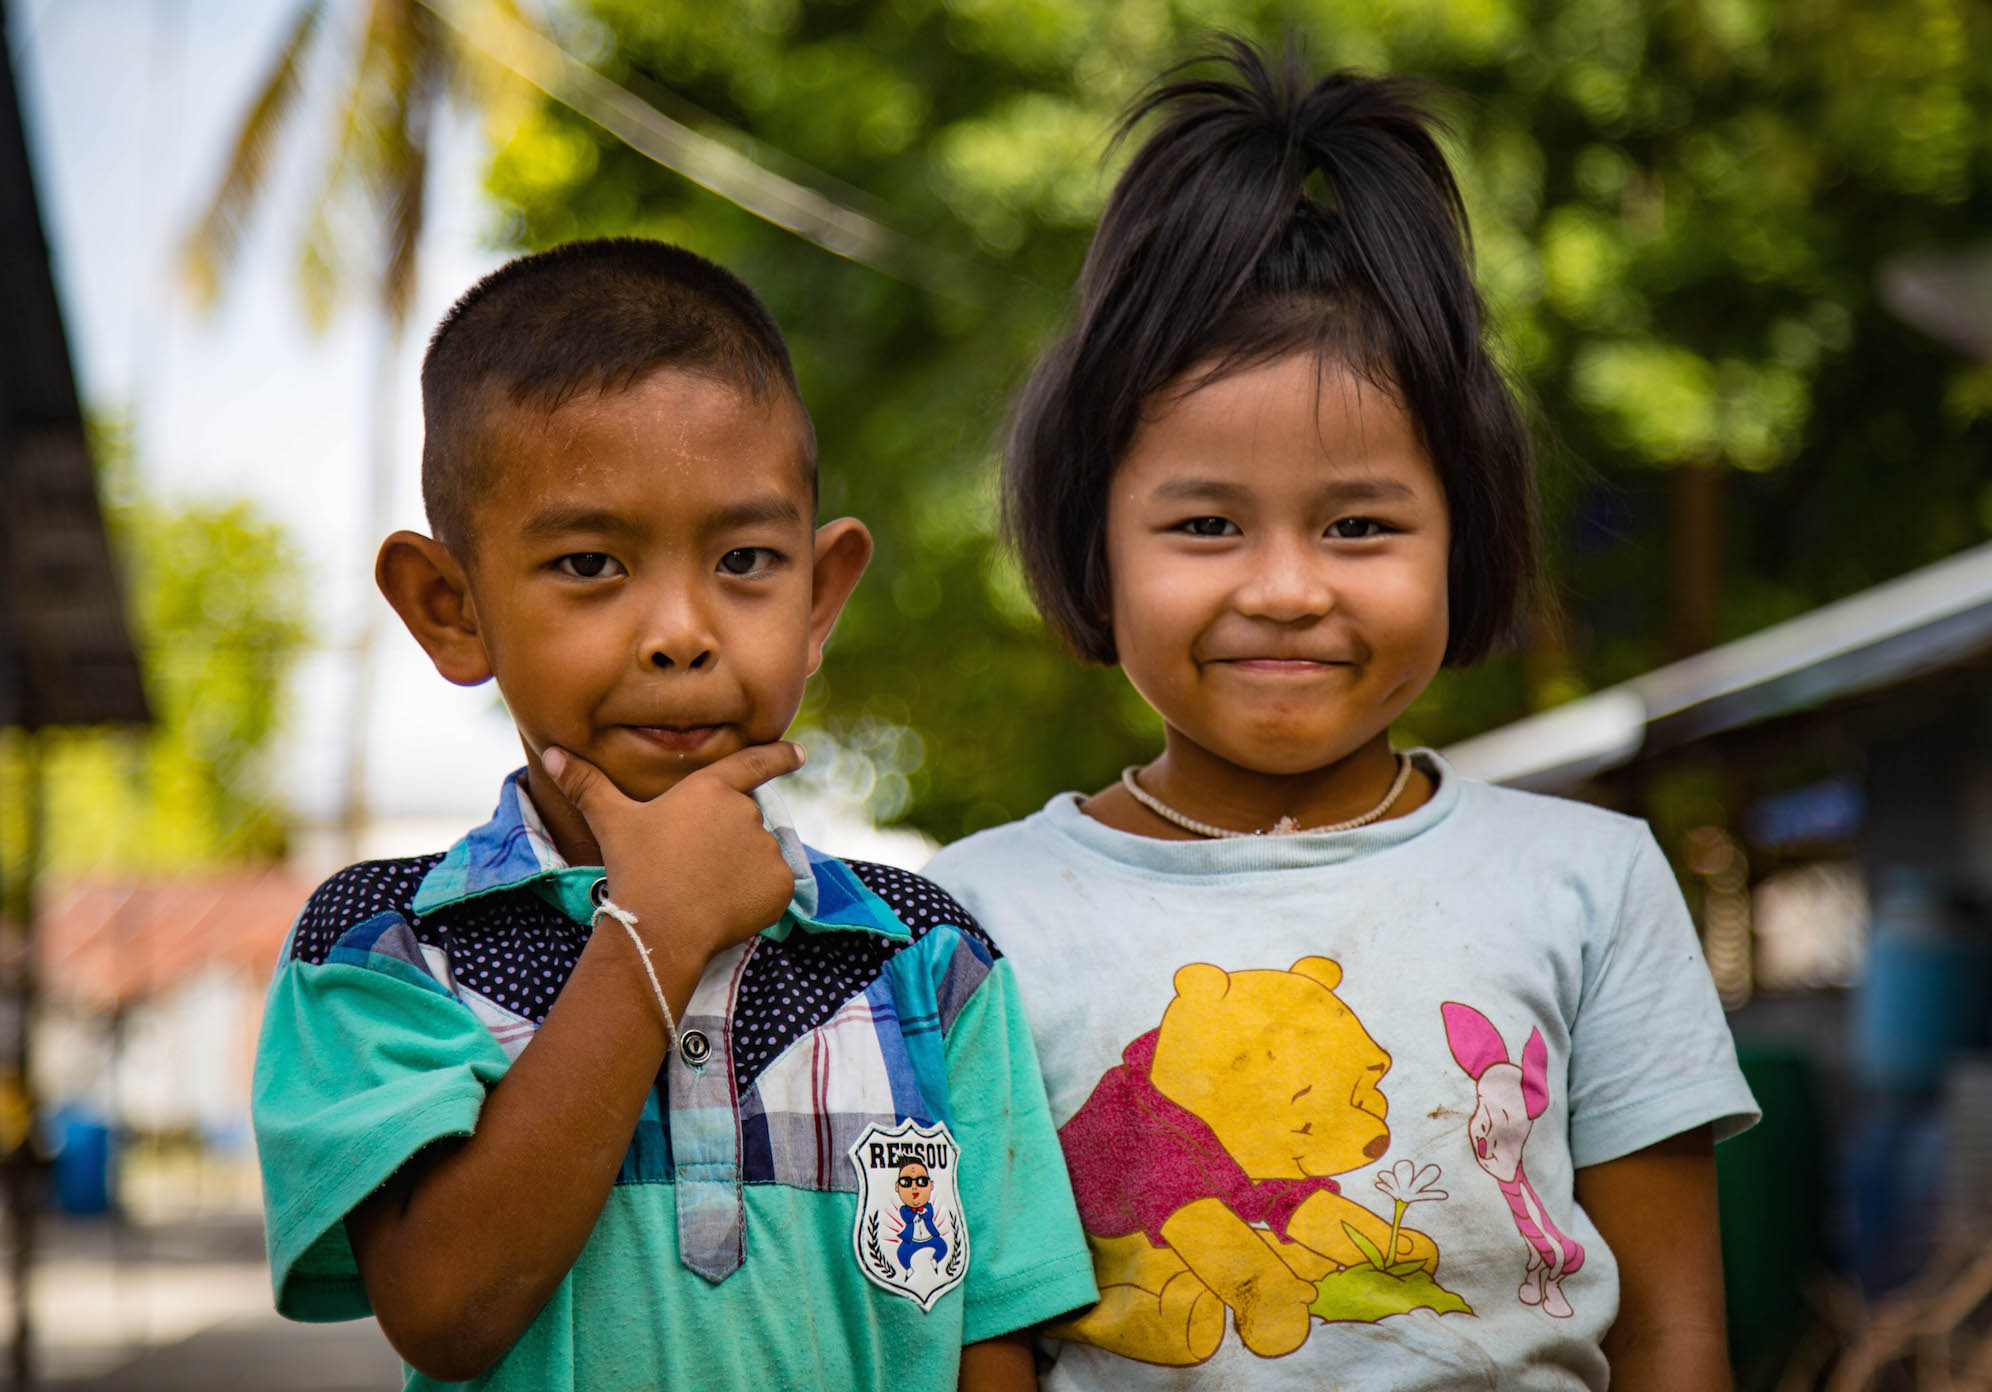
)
(1266, 214)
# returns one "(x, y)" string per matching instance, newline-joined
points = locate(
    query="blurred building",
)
(152, 995)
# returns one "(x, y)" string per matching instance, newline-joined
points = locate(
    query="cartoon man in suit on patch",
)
(915, 1185)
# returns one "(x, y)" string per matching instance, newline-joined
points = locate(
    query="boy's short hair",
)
(1270, 214)
(585, 316)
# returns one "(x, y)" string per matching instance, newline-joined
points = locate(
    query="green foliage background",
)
(1681, 208)
(215, 596)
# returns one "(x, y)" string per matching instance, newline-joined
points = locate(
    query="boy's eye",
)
(1208, 527)
(1356, 528)
(589, 565)
(746, 560)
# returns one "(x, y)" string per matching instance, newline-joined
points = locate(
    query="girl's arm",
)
(1656, 1210)
(1002, 1364)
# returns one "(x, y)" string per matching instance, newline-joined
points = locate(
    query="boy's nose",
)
(678, 636)
(663, 659)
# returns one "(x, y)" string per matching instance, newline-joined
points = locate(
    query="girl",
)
(1367, 1075)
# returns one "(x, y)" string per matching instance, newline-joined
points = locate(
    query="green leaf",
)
(218, 611)
(1364, 1295)
(1405, 1268)
(1366, 1247)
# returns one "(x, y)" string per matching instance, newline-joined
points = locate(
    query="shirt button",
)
(694, 1048)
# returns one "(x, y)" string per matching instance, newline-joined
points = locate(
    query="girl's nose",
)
(1289, 583)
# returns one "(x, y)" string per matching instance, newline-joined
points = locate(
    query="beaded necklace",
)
(1285, 826)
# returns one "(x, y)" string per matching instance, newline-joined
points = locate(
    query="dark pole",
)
(17, 952)
(65, 652)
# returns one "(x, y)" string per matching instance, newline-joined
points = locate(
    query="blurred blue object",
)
(1921, 1003)
(1820, 812)
(1892, 1182)
(230, 1139)
(82, 1162)
(1928, 988)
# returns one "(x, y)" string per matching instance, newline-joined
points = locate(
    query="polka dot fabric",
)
(353, 896)
(511, 947)
(920, 904)
(516, 950)
(791, 987)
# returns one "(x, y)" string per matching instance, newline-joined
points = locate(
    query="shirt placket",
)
(705, 1124)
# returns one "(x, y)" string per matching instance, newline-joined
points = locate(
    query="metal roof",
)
(1918, 622)
(65, 654)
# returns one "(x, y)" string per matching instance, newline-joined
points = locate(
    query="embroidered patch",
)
(910, 1235)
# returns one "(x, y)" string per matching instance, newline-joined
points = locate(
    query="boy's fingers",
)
(579, 781)
(744, 770)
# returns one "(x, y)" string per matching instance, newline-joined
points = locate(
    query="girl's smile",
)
(1278, 542)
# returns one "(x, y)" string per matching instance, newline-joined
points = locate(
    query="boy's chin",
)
(642, 780)
(645, 785)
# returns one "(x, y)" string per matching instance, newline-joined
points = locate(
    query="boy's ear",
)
(428, 588)
(843, 550)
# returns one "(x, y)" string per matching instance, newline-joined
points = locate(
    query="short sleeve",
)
(364, 1059)
(1650, 1051)
(1029, 1262)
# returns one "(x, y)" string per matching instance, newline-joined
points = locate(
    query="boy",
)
(688, 1178)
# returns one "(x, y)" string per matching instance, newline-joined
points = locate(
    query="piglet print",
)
(1510, 1098)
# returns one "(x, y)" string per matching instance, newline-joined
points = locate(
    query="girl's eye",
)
(589, 565)
(747, 560)
(1208, 527)
(1356, 528)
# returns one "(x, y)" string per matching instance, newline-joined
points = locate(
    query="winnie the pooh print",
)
(1204, 1167)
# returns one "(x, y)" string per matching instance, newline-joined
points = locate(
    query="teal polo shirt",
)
(745, 1243)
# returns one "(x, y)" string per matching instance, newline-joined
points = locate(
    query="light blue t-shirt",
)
(1323, 1096)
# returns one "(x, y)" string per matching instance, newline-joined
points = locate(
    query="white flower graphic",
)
(1405, 1184)
(1408, 1184)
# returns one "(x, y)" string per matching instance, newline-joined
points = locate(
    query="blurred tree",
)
(216, 597)
(1680, 210)
(402, 63)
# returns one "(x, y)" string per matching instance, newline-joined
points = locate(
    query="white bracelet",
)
(628, 920)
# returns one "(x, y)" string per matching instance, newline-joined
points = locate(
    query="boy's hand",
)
(455, 1265)
(695, 864)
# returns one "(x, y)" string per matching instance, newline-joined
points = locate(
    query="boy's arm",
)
(1656, 1210)
(459, 1252)
(1002, 1364)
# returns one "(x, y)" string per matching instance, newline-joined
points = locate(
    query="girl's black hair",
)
(1267, 215)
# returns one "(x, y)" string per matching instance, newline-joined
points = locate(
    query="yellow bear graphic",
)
(1203, 1167)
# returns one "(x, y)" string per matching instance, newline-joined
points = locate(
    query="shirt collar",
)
(513, 851)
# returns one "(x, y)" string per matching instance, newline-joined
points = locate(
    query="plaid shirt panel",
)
(829, 1021)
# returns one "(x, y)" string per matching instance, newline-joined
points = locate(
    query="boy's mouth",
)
(679, 739)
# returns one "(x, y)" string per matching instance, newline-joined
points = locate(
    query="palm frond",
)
(210, 248)
(407, 175)
(379, 153)
(479, 82)
(807, 212)
(321, 258)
